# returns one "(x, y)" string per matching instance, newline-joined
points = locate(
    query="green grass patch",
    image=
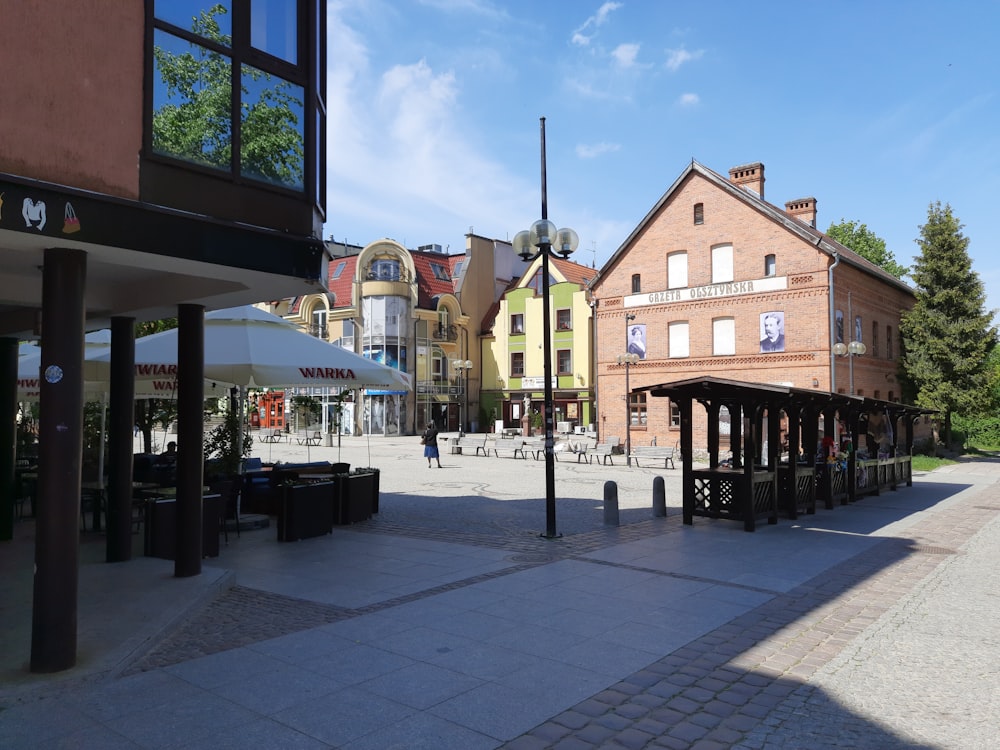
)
(929, 463)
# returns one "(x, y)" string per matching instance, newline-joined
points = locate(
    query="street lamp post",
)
(851, 350)
(463, 367)
(557, 243)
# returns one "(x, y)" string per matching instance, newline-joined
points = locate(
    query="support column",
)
(121, 440)
(8, 435)
(190, 428)
(60, 455)
(713, 409)
(736, 434)
(687, 461)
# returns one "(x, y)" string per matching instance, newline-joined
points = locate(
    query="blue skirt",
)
(431, 451)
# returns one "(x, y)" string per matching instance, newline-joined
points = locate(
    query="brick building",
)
(716, 281)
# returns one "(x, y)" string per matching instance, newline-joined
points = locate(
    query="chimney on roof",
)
(749, 176)
(803, 209)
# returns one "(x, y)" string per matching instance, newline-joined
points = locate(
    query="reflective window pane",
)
(191, 102)
(273, 28)
(212, 20)
(272, 129)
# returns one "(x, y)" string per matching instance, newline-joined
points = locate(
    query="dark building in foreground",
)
(157, 159)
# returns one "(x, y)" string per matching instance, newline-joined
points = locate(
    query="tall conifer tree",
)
(948, 335)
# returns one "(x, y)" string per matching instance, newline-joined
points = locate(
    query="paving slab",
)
(447, 621)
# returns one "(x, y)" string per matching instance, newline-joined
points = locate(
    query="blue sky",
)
(875, 108)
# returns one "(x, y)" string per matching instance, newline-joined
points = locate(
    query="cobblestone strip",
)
(237, 617)
(717, 690)
(241, 616)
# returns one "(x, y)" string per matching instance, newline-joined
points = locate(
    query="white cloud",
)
(598, 19)
(625, 55)
(688, 100)
(593, 150)
(677, 57)
(399, 162)
(480, 7)
(586, 90)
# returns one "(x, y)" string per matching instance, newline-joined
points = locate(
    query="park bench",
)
(472, 445)
(310, 437)
(513, 447)
(603, 451)
(271, 436)
(534, 446)
(575, 446)
(653, 452)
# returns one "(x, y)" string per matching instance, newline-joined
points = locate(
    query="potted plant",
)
(223, 448)
(536, 422)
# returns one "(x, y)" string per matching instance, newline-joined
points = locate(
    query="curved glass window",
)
(273, 25)
(259, 131)
(212, 20)
(272, 129)
(384, 269)
(191, 102)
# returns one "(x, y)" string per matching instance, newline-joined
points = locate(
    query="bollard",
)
(610, 504)
(659, 498)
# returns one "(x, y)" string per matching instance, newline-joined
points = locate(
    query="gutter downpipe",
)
(833, 323)
(593, 363)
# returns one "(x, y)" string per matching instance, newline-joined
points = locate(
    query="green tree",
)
(223, 447)
(195, 120)
(867, 244)
(948, 336)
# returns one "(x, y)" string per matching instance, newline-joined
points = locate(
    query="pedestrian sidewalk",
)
(447, 622)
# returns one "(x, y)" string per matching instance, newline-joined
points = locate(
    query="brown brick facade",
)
(795, 284)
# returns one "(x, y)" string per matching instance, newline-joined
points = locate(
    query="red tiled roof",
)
(428, 285)
(340, 287)
(574, 272)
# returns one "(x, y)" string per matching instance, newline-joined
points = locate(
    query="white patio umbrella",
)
(251, 347)
(95, 374)
(149, 383)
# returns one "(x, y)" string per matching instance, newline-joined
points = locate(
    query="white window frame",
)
(677, 270)
(678, 337)
(722, 263)
(723, 336)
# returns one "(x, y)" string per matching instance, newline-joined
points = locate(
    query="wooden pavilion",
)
(773, 459)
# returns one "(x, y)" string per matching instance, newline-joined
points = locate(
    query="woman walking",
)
(430, 442)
